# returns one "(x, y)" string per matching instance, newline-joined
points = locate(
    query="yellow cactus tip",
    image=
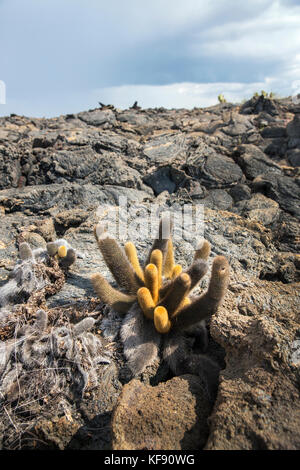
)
(157, 259)
(185, 278)
(151, 280)
(176, 271)
(156, 254)
(131, 254)
(146, 302)
(159, 311)
(161, 320)
(142, 291)
(62, 251)
(151, 267)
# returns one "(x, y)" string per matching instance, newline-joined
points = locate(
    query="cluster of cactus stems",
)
(59, 249)
(63, 252)
(47, 357)
(24, 280)
(161, 287)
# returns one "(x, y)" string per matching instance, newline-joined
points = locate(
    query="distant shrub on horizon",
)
(221, 99)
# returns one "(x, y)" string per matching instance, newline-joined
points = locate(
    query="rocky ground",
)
(240, 161)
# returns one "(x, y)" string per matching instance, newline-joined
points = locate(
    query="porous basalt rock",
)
(171, 416)
(258, 403)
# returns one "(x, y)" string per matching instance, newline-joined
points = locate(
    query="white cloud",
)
(272, 34)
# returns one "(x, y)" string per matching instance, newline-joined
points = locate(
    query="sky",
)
(64, 56)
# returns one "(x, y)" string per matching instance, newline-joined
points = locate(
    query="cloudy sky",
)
(63, 56)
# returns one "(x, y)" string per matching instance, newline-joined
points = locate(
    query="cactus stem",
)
(169, 261)
(151, 280)
(176, 271)
(131, 253)
(146, 302)
(161, 320)
(157, 259)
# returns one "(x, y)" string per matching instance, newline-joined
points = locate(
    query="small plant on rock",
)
(63, 252)
(221, 99)
(156, 299)
(29, 274)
